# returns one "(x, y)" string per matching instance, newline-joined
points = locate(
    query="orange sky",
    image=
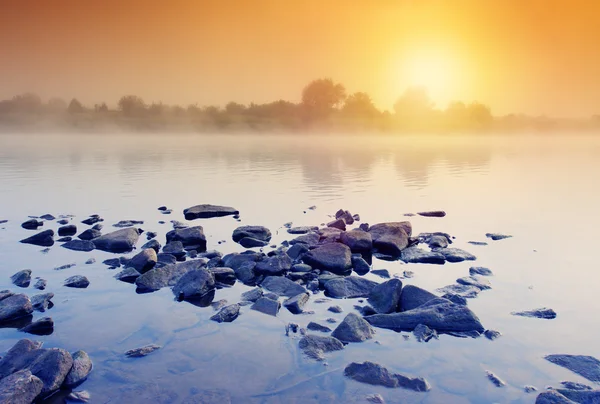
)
(533, 56)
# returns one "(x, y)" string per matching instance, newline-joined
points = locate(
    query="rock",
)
(353, 329)
(329, 235)
(43, 326)
(335, 309)
(40, 284)
(480, 271)
(385, 297)
(317, 327)
(192, 238)
(438, 241)
(194, 284)
(529, 389)
(495, 379)
(424, 334)
(47, 216)
(552, 397)
(90, 261)
(43, 239)
(178, 225)
(543, 312)
(98, 226)
(477, 242)
(79, 245)
(227, 314)
(67, 230)
(267, 306)
(165, 259)
(375, 398)
(142, 351)
(175, 248)
(51, 366)
(128, 275)
(144, 260)
(112, 262)
(118, 241)
(127, 223)
(275, 265)
(297, 250)
(337, 224)
(223, 275)
(438, 314)
(66, 266)
(456, 254)
(296, 303)
(383, 273)
(249, 242)
(586, 366)
(349, 287)
(207, 211)
(417, 255)
(390, 238)
(575, 386)
(92, 220)
(81, 396)
(302, 229)
(334, 257)
(465, 291)
(42, 302)
(454, 298)
(255, 232)
(316, 346)
(153, 244)
(64, 239)
(31, 224)
(372, 373)
(22, 278)
(479, 283)
(282, 286)
(433, 213)
(360, 266)
(89, 234)
(252, 295)
(219, 304)
(20, 388)
(310, 239)
(77, 281)
(497, 236)
(14, 307)
(413, 297)
(245, 272)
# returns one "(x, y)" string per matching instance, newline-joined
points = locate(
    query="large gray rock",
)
(175, 248)
(14, 307)
(223, 275)
(282, 286)
(41, 302)
(552, 397)
(168, 275)
(385, 297)
(42, 326)
(267, 306)
(416, 255)
(192, 238)
(143, 261)
(128, 275)
(252, 295)
(296, 303)
(373, 373)
(310, 239)
(275, 265)
(438, 314)
(22, 278)
(51, 366)
(227, 314)
(256, 232)
(316, 346)
(142, 351)
(390, 238)
(333, 257)
(349, 287)
(89, 234)
(43, 239)
(67, 230)
(77, 281)
(79, 245)
(82, 366)
(353, 329)
(119, 241)
(357, 240)
(194, 285)
(18, 357)
(207, 211)
(456, 254)
(20, 388)
(413, 297)
(586, 366)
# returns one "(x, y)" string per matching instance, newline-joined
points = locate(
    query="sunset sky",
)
(531, 56)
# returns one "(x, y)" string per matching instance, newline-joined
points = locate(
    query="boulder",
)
(31, 224)
(438, 314)
(480, 271)
(349, 287)
(256, 232)
(413, 297)
(252, 295)
(316, 346)
(466, 291)
(43, 239)
(497, 236)
(432, 213)
(552, 397)
(175, 248)
(317, 327)
(302, 229)
(128, 275)
(89, 234)
(79, 245)
(14, 307)
(337, 224)
(154, 244)
(194, 284)
(42, 302)
(375, 374)
(353, 329)
(5, 293)
(586, 366)
(275, 265)
(297, 251)
(249, 242)
(495, 379)
(296, 303)
(20, 388)
(51, 366)
(67, 230)
(416, 255)
(77, 281)
(282, 286)
(227, 314)
(455, 254)
(119, 241)
(310, 239)
(357, 240)
(267, 306)
(143, 261)
(223, 275)
(359, 265)
(192, 238)
(333, 257)
(127, 223)
(22, 278)
(438, 241)
(390, 238)
(42, 326)
(207, 211)
(543, 312)
(385, 297)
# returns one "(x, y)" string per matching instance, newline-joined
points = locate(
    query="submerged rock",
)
(466, 291)
(267, 306)
(373, 373)
(194, 284)
(543, 312)
(43, 239)
(142, 351)
(22, 278)
(20, 388)
(349, 287)
(456, 254)
(417, 255)
(390, 238)
(40, 284)
(77, 281)
(118, 241)
(42, 326)
(586, 366)
(14, 307)
(353, 329)
(275, 265)
(424, 334)
(333, 257)
(192, 238)
(207, 211)
(316, 346)
(497, 236)
(492, 334)
(81, 396)
(227, 314)
(495, 379)
(385, 297)
(282, 286)
(127, 223)
(79, 245)
(480, 271)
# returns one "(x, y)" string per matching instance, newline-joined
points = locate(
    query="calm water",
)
(543, 191)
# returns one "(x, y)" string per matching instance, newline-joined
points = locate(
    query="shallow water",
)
(541, 190)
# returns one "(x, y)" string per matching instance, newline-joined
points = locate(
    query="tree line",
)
(324, 105)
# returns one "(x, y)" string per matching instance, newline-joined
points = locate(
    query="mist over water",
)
(539, 189)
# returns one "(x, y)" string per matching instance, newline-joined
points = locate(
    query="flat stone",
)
(481, 243)
(375, 374)
(333, 257)
(497, 236)
(316, 346)
(79, 245)
(43, 239)
(42, 326)
(192, 238)
(455, 254)
(495, 379)
(22, 278)
(296, 303)
(480, 271)
(260, 233)
(267, 306)
(413, 297)
(142, 351)
(302, 229)
(119, 241)
(20, 388)
(128, 275)
(14, 307)
(543, 312)
(77, 281)
(424, 334)
(31, 224)
(353, 329)
(207, 211)
(349, 287)
(416, 255)
(317, 327)
(586, 366)
(432, 213)
(282, 286)
(385, 297)
(552, 397)
(390, 238)
(479, 283)
(194, 284)
(154, 244)
(227, 314)
(382, 273)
